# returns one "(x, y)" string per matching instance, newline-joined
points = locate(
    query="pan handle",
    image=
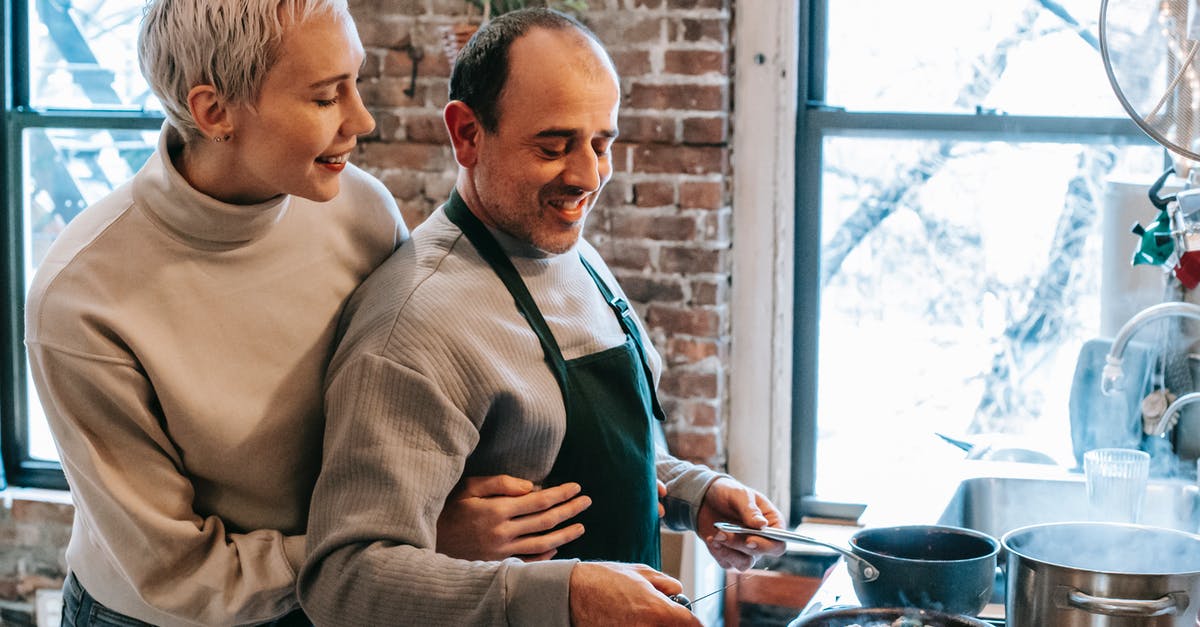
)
(859, 567)
(1169, 604)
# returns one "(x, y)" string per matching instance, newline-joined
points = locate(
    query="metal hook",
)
(415, 54)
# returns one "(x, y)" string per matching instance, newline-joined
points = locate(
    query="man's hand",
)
(730, 501)
(610, 593)
(491, 518)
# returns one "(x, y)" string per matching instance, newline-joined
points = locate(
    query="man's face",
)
(538, 176)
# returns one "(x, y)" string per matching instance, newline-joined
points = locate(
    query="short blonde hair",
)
(229, 44)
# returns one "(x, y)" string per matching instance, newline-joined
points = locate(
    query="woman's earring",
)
(223, 139)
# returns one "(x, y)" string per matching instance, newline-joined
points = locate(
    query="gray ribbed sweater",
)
(438, 376)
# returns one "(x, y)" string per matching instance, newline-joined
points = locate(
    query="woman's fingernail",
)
(752, 544)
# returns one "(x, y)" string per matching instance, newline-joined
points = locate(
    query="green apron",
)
(608, 447)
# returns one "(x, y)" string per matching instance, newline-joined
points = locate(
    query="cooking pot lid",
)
(1108, 547)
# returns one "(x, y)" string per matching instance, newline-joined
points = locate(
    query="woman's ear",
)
(210, 112)
(465, 132)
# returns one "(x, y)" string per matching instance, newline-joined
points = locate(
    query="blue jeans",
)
(81, 610)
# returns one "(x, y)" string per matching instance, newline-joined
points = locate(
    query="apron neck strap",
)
(493, 254)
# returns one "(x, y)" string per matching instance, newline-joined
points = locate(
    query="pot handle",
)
(1171, 603)
(860, 568)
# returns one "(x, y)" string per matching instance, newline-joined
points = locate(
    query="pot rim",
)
(885, 613)
(943, 529)
(1005, 542)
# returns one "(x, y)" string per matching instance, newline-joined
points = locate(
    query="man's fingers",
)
(495, 485)
(665, 584)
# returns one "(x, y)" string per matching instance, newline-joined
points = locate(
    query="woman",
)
(179, 329)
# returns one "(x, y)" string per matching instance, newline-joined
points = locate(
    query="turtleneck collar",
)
(193, 216)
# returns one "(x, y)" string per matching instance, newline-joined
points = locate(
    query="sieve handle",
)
(1169, 604)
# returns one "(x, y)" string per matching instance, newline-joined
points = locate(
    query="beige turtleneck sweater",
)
(179, 345)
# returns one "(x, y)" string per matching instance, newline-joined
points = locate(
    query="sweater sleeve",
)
(128, 483)
(395, 446)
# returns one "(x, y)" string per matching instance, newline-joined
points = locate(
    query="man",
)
(497, 342)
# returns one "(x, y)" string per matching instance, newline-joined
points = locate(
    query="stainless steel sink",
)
(997, 505)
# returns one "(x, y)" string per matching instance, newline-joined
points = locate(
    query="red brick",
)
(696, 414)
(660, 158)
(622, 157)
(397, 63)
(696, 62)
(647, 128)
(628, 28)
(690, 260)
(664, 228)
(701, 195)
(631, 63)
(654, 193)
(683, 350)
(426, 129)
(381, 32)
(427, 157)
(700, 30)
(645, 289)
(685, 320)
(709, 293)
(709, 130)
(628, 256)
(387, 125)
(695, 446)
(403, 184)
(388, 91)
(686, 384)
(698, 4)
(691, 97)
(372, 66)
(41, 512)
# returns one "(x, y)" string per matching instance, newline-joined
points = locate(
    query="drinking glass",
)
(1116, 483)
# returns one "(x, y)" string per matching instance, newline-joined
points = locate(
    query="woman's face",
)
(297, 136)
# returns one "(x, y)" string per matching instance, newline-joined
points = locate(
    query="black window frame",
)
(817, 120)
(19, 467)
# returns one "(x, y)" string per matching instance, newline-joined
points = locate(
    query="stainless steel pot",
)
(1102, 574)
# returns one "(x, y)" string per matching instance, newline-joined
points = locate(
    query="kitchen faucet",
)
(1176, 405)
(1111, 381)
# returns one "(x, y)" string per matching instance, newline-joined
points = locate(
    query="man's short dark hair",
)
(481, 68)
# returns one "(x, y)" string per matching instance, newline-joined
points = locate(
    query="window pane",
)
(83, 55)
(958, 284)
(65, 170)
(1013, 56)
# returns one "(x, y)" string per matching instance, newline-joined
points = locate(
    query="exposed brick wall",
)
(663, 223)
(33, 542)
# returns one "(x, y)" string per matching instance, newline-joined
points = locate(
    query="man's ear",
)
(465, 132)
(210, 112)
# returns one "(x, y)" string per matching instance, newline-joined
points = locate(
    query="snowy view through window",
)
(82, 56)
(959, 279)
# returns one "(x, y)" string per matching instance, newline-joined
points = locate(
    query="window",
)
(953, 162)
(78, 121)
